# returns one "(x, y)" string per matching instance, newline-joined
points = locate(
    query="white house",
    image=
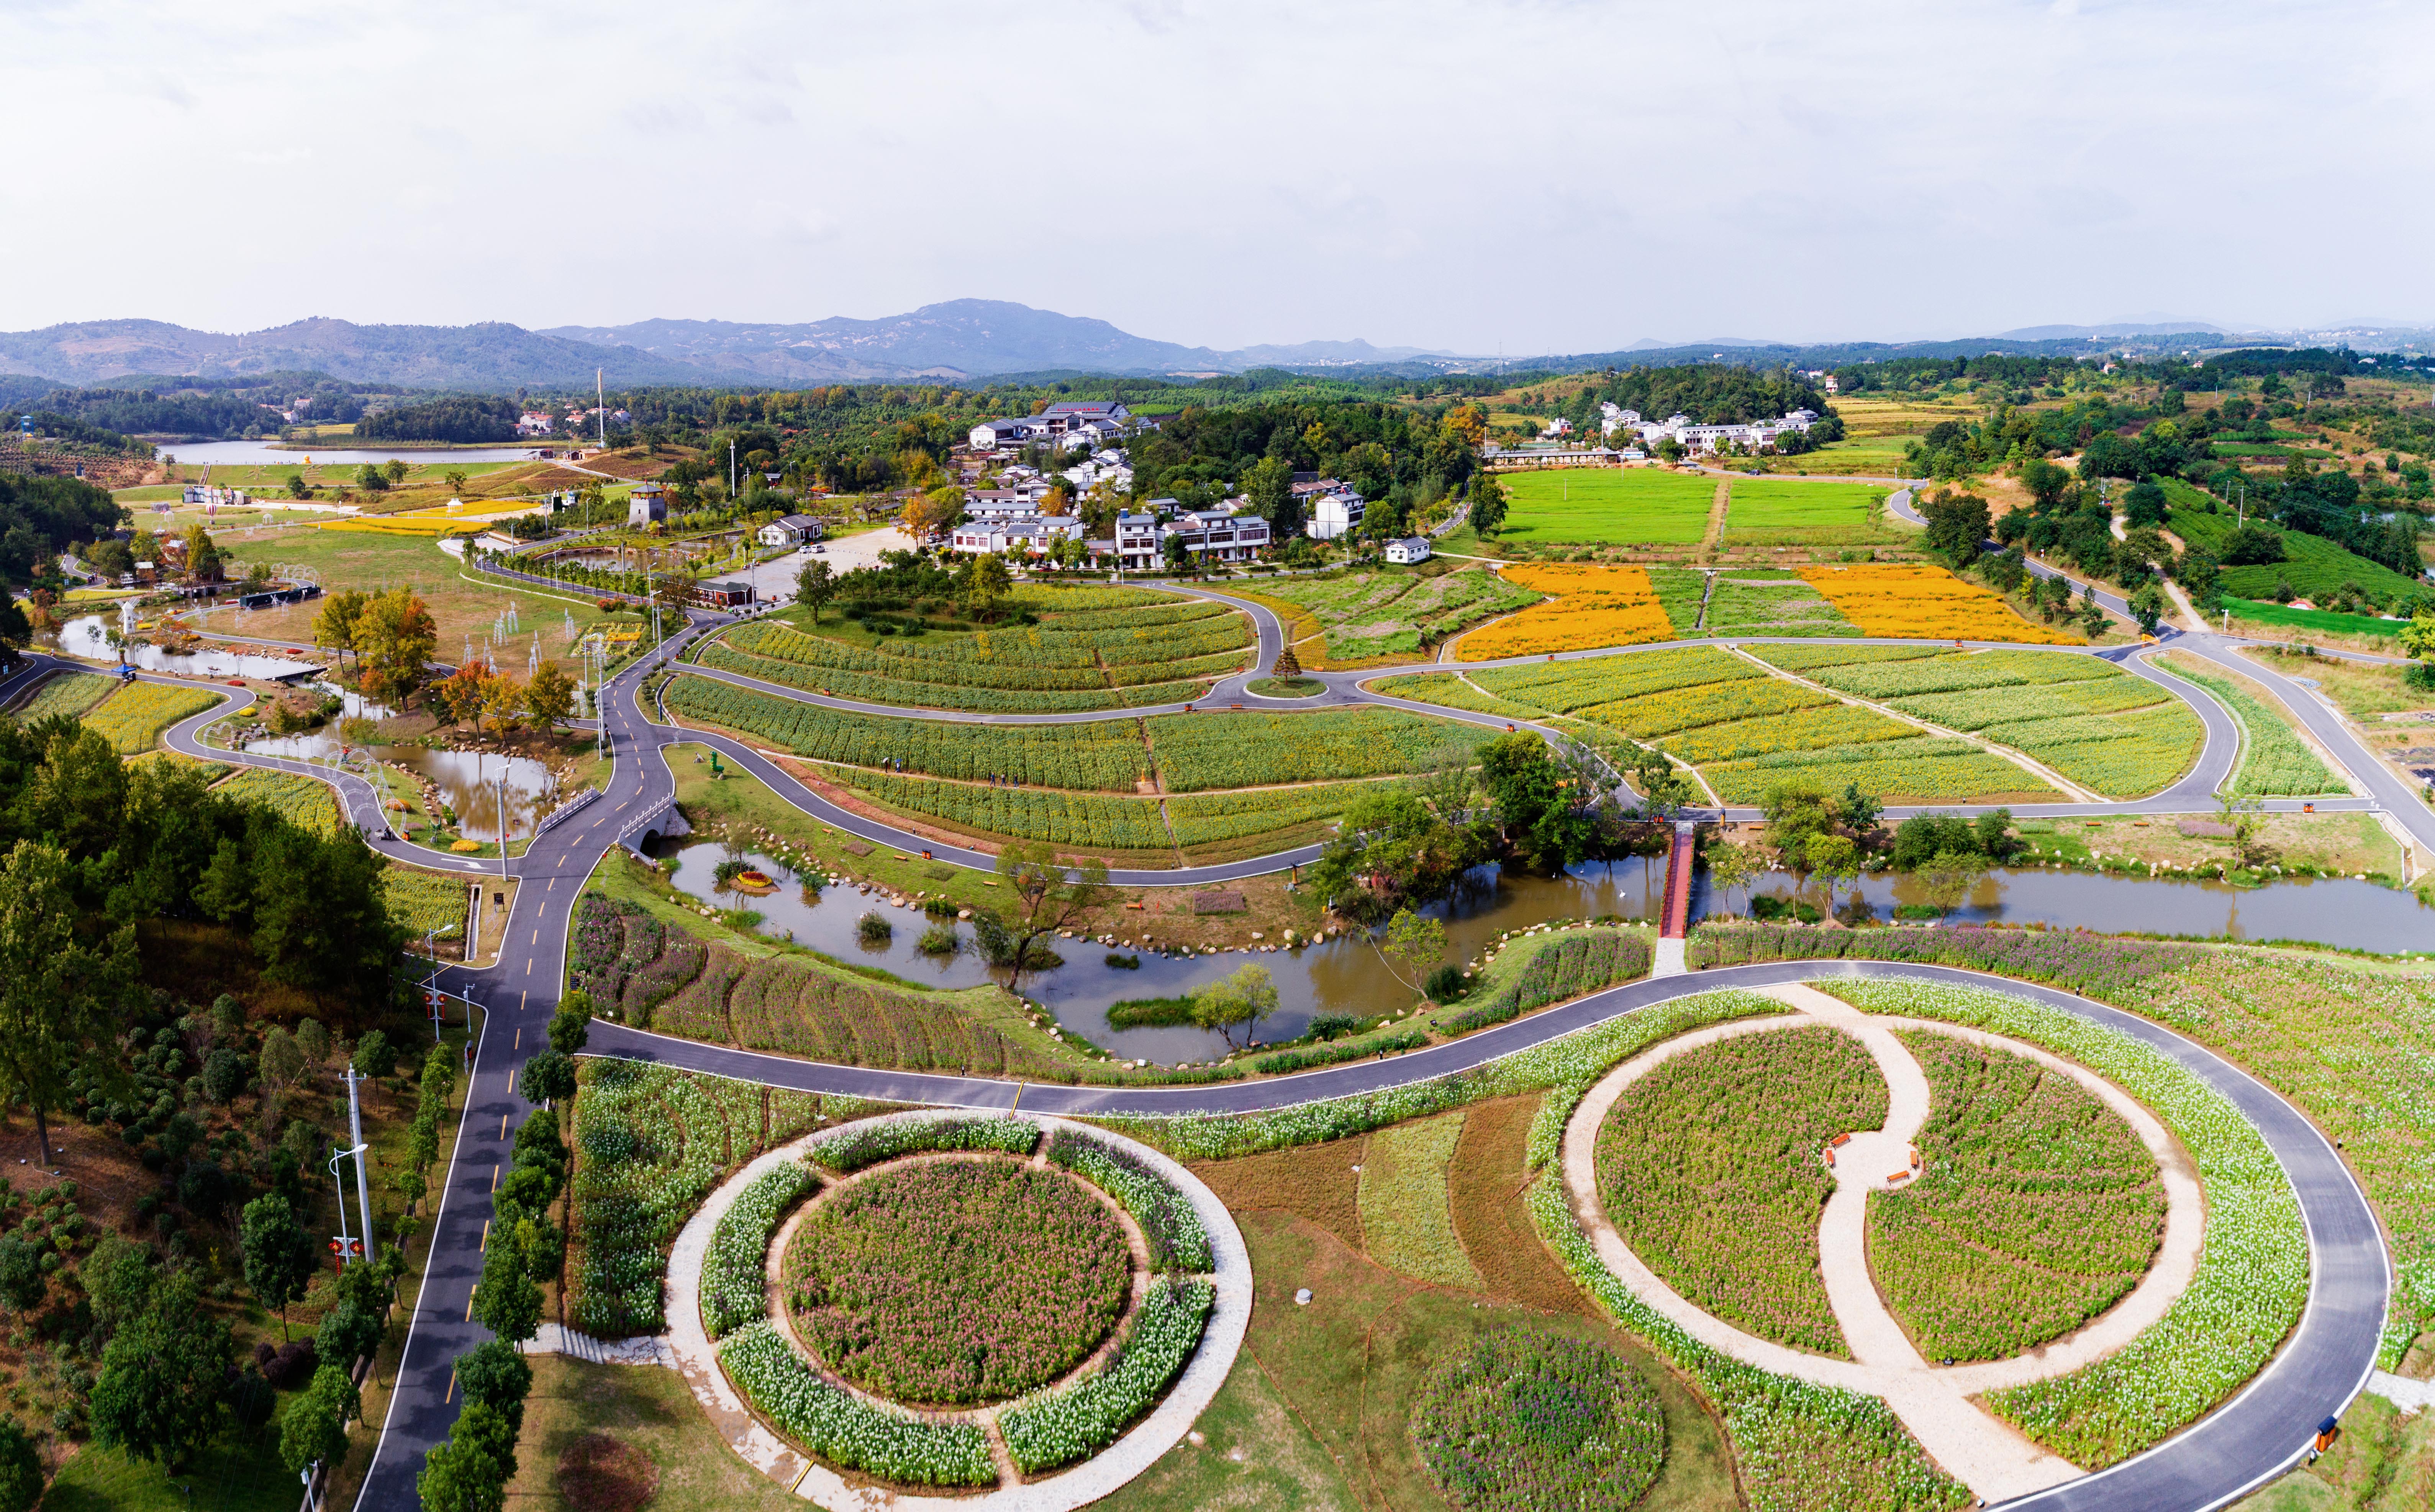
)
(1060, 418)
(1021, 536)
(647, 504)
(1408, 549)
(1333, 514)
(791, 530)
(535, 423)
(993, 433)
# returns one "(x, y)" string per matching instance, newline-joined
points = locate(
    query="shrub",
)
(874, 928)
(1445, 984)
(734, 1282)
(1060, 1426)
(843, 1429)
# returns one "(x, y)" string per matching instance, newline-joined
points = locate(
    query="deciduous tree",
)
(60, 996)
(278, 1258)
(1237, 1001)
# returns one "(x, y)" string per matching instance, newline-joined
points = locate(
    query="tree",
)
(22, 1285)
(1236, 1002)
(279, 1259)
(1857, 810)
(983, 581)
(1416, 942)
(395, 471)
(2045, 481)
(1048, 896)
(816, 585)
(507, 1303)
(61, 999)
(550, 695)
(315, 1430)
(547, 1078)
(2147, 607)
(350, 1330)
(2092, 615)
(2241, 818)
(1546, 832)
(1957, 526)
(470, 1469)
(1660, 781)
(297, 488)
(1391, 849)
(1731, 868)
(20, 1468)
(374, 1054)
(371, 479)
(1794, 813)
(1835, 858)
(394, 638)
(1177, 554)
(1487, 504)
(1267, 490)
(495, 1375)
(159, 1393)
(502, 698)
(1288, 668)
(335, 627)
(456, 476)
(283, 1061)
(941, 508)
(1946, 880)
(570, 1027)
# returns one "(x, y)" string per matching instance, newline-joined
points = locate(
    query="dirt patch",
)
(1484, 1186)
(599, 1473)
(1218, 903)
(1319, 1182)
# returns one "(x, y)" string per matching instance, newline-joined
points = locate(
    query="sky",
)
(1529, 177)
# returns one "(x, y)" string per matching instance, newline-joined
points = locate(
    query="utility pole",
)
(363, 1186)
(600, 406)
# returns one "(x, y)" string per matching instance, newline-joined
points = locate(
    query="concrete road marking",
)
(486, 1235)
(469, 1304)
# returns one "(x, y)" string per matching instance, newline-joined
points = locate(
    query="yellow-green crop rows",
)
(1561, 687)
(1027, 813)
(134, 716)
(426, 902)
(1202, 819)
(1652, 715)
(1199, 751)
(70, 694)
(1101, 754)
(1809, 729)
(1379, 613)
(1928, 769)
(301, 801)
(1448, 688)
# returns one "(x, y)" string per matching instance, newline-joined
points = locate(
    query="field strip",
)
(2019, 759)
(1717, 508)
(2274, 706)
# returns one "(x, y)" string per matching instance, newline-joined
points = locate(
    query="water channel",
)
(1347, 975)
(87, 636)
(472, 783)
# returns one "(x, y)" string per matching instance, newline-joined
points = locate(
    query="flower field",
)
(1199, 751)
(1171, 1229)
(1751, 603)
(437, 521)
(2037, 1207)
(2121, 756)
(854, 1149)
(133, 718)
(301, 801)
(70, 694)
(628, 961)
(1065, 1423)
(1674, 710)
(424, 901)
(845, 1430)
(2253, 1272)
(650, 1143)
(1708, 1167)
(1813, 729)
(1385, 613)
(1211, 819)
(956, 1281)
(1104, 755)
(1526, 1419)
(2275, 760)
(1928, 603)
(1407, 1225)
(1589, 606)
(1927, 769)
(734, 1283)
(1449, 689)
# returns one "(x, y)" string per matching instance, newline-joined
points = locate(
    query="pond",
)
(88, 635)
(471, 782)
(1347, 975)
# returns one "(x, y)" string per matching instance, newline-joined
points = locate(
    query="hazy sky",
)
(1541, 176)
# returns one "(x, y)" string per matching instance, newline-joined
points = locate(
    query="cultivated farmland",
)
(71, 694)
(1709, 1167)
(1081, 821)
(133, 718)
(1196, 752)
(1926, 603)
(1782, 513)
(1612, 506)
(1591, 607)
(1759, 603)
(1393, 613)
(301, 801)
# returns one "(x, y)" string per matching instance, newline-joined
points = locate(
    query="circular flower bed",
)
(1525, 1419)
(948, 1282)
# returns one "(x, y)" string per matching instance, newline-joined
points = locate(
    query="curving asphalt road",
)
(2254, 1438)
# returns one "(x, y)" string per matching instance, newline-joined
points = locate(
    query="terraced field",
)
(1088, 821)
(1127, 656)
(1390, 612)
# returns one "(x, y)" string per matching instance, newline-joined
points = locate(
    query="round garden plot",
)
(956, 1282)
(958, 1303)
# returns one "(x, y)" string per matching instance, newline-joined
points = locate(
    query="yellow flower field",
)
(1923, 603)
(438, 520)
(1588, 607)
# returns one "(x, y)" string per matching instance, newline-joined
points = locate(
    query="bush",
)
(1332, 1026)
(1445, 984)
(224, 1074)
(873, 929)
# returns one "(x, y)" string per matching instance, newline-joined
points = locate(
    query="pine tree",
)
(1289, 669)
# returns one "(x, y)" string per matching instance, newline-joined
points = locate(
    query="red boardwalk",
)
(1678, 884)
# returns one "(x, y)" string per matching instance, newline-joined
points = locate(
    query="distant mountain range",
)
(961, 338)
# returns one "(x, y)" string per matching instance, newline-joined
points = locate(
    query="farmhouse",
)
(791, 530)
(1332, 514)
(1408, 549)
(725, 594)
(1021, 535)
(990, 435)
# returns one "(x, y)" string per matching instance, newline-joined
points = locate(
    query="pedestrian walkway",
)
(1680, 857)
(650, 1348)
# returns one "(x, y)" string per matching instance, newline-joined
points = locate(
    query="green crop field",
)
(1755, 604)
(1205, 818)
(2285, 618)
(1027, 813)
(2274, 762)
(2316, 568)
(71, 694)
(1617, 506)
(1708, 703)
(1929, 769)
(304, 803)
(134, 716)
(1786, 513)
(1449, 689)
(2121, 756)
(1105, 755)
(1199, 751)
(1561, 687)
(1680, 593)
(925, 692)
(1809, 729)
(1391, 612)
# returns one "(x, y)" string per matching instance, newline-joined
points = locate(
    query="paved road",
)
(2258, 1435)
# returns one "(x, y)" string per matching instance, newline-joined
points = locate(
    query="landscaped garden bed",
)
(1526, 1419)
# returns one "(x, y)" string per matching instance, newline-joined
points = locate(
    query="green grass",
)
(648, 1412)
(1406, 1223)
(1618, 505)
(2283, 617)
(1782, 513)
(238, 1474)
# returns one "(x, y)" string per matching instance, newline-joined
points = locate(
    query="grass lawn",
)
(653, 1433)
(1773, 514)
(2342, 844)
(2282, 617)
(1617, 506)
(239, 1473)
(2362, 690)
